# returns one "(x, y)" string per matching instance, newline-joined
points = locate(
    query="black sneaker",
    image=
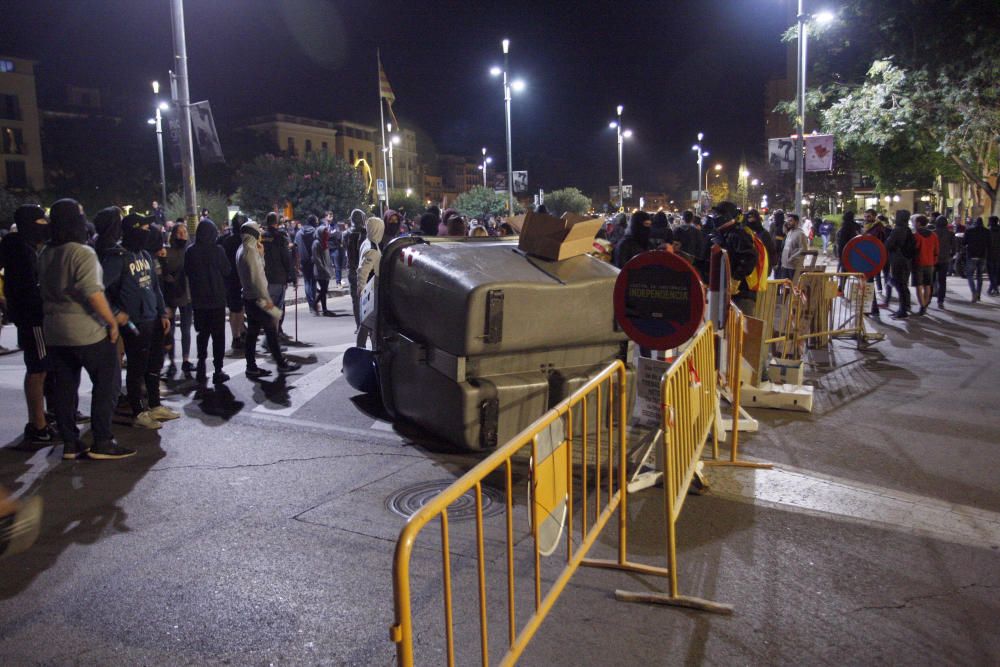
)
(169, 372)
(79, 417)
(187, 368)
(219, 377)
(288, 367)
(39, 436)
(899, 316)
(257, 372)
(106, 451)
(74, 451)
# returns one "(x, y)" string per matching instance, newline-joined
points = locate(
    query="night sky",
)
(678, 67)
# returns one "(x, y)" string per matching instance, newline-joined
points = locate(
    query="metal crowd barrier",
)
(591, 465)
(834, 308)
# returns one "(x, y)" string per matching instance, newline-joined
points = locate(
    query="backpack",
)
(740, 243)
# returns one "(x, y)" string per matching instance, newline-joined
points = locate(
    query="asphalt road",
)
(255, 530)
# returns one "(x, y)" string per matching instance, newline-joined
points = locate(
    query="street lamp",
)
(517, 86)
(623, 134)
(718, 167)
(158, 122)
(394, 140)
(486, 160)
(802, 19)
(701, 158)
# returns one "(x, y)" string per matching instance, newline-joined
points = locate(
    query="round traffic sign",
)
(659, 300)
(864, 254)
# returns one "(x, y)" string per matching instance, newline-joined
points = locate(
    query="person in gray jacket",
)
(261, 313)
(794, 248)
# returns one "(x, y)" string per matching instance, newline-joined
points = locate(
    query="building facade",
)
(20, 137)
(295, 135)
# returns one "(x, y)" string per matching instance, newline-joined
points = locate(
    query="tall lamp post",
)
(623, 134)
(486, 161)
(701, 159)
(508, 86)
(182, 98)
(800, 132)
(393, 140)
(158, 122)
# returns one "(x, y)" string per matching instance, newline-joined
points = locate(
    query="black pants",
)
(100, 360)
(258, 319)
(900, 278)
(210, 323)
(352, 280)
(144, 364)
(940, 281)
(993, 271)
(322, 287)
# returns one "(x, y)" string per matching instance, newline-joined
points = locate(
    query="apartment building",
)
(20, 138)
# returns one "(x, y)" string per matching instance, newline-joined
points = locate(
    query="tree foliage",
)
(480, 202)
(567, 200)
(313, 183)
(410, 203)
(216, 203)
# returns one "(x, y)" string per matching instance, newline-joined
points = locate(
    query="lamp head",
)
(700, 136)
(495, 71)
(627, 133)
(517, 85)
(620, 109)
(612, 125)
(506, 45)
(151, 121)
(824, 17)
(156, 87)
(163, 106)
(489, 160)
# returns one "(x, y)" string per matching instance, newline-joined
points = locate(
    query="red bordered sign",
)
(864, 254)
(659, 300)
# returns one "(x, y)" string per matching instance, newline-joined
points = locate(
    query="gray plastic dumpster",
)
(475, 340)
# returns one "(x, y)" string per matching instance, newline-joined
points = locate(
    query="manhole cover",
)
(406, 501)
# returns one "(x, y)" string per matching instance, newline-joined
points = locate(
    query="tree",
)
(313, 184)
(480, 202)
(718, 190)
(410, 203)
(216, 203)
(567, 200)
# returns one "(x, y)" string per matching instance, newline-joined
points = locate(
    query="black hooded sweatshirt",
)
(130, 280)
(206, 267)
(635, 241)
(19, 261)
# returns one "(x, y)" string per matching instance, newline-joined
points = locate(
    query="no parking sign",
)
(864, 254)
(659, 300)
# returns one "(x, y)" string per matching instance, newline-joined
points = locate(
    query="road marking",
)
(307, 387)
(786, 487)
(380, 425)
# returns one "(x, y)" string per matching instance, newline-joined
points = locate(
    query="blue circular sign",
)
(864, 254)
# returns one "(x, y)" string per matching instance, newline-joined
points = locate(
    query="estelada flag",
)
(385, 90)
(757, 280)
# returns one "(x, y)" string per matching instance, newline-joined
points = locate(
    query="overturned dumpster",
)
(475, 339)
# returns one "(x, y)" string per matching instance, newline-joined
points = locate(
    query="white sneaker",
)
(163, 413)
(146, 420)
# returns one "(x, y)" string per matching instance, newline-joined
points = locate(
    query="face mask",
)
(35, 233)
(135, 238)
(179, 242)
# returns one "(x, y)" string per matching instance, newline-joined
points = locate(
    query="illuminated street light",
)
(517, 86)
(622, 135)
(486, 160)
(822, 18)
(157, 121)
(701, 159)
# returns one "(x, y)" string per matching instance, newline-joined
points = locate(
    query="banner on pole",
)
(174, 138)
(203, 126)
(819, 152)
(781, 153)
(520, 181)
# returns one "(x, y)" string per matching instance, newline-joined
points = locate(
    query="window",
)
(350, 155)
(369, 158)
(17, 175)
(12, 140)
(10, 108)
(325, 148)
(291, 146)
(309, 146)
(6, 66)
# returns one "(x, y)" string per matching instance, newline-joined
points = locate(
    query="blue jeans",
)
(974, 267)
(826, 242)
(276, 291)
(339, 260)
(309, 282)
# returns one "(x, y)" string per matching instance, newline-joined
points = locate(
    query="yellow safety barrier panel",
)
(564, 466)
(730, 387)
(835, 304)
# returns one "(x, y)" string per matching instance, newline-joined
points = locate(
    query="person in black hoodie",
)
(353, 238)
(946, 249)
(660, 233)
(175, 293)
(902, 248)
(756, 225)
(230, 242)
(849, 228)
(636, 239)
(778, 239)
(977, 249)
(277, 265)
(19, 261)
(993, 257)
(133, 289)
(429, 222)
(303, 248)
(206, 267)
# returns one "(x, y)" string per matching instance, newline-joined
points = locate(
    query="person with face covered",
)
(352, 240)
(260, 310)
(81, 332)
(178, 298)
(19, 261)
(206, 268)
(133, 290)
(636, 239)
(368, 264)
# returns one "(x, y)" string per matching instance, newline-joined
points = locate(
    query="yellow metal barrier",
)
(599, 407)
(834, 309)
(729, 379)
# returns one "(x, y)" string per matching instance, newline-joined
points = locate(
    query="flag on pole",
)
(385, 91)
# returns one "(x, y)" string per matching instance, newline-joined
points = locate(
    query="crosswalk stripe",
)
(307, 387)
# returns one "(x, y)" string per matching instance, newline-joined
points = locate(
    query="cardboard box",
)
(555, 238)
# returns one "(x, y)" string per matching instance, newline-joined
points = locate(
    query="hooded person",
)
(230, 242)
(323, 267)
(946, 250)
(108, 226)
(636, 239)
(353, 238)
(392, 226)
(206, 268)
(778, 238)
(19, 262)
(133, 289)
(745, 261)
(303, 247)
(430, 220)
(446, 217)
(81, 333)
(977, 250)
(278, 265)
(368, 264)
(177, 297)
(756, 225)
(660, 233)
(261, 313)
(902, 247)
